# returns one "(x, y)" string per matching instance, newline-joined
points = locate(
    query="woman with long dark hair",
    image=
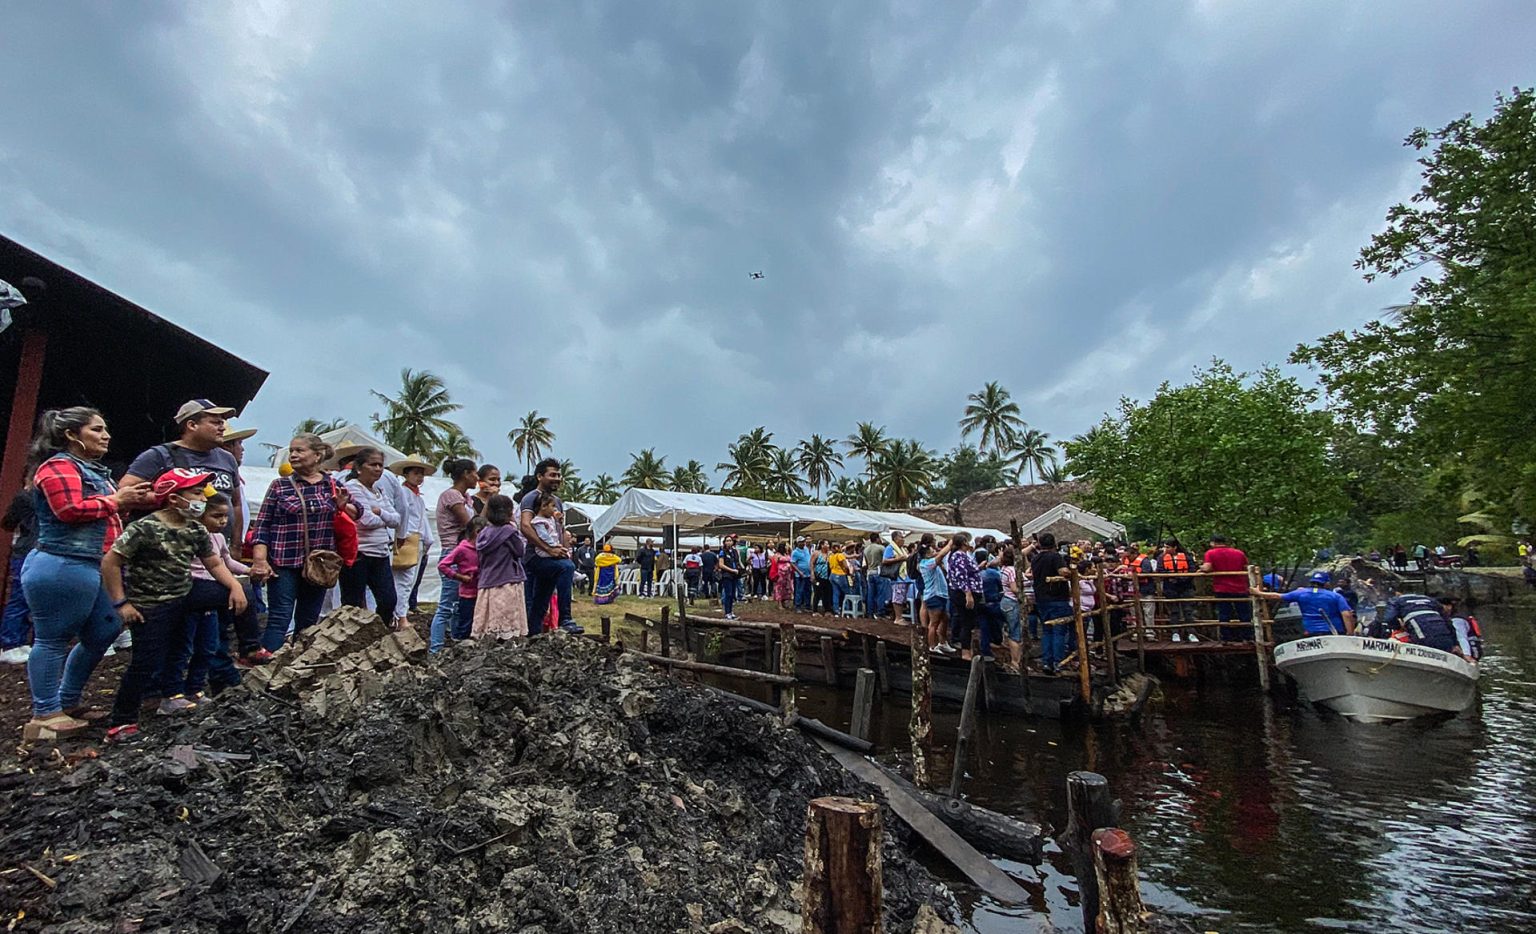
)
(78, 509)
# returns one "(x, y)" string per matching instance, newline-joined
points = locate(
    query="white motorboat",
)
(1373, 680)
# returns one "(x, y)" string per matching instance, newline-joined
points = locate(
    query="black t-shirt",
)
(710, 559)
(646, 558)
(162, 457)
(21, 518)
(1048, 564)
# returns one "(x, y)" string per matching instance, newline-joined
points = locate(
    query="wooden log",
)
(802, 628)
(607, 625)
(920, 729)
(645, 641)
(1114, 870)
(991, 880)
(828, 661)
(841, 892)
(666, 632)
(1088, 809)
(863, 704)
(804, 724)
(1084, 676)
(787, 670)
(967, 724)
(1260, 650)
(746, 674)
(883, 666)
(682, 620)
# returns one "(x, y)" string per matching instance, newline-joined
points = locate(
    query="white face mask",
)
(194, 509)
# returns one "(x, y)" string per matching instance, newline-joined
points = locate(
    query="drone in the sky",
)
(758, 275)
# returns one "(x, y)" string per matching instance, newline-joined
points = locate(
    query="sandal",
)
(87, 712)
(53, 726)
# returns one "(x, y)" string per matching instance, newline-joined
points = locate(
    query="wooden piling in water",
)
(1084, 676)
(1089, 808)
(920, 728)
(787, 669)
(1114, 872)
(828, 661)
(967, 723)
(863, 704)
(842, 890)
(883, 666)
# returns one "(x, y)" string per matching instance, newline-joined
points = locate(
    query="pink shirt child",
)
(465, 560)
(220, 551)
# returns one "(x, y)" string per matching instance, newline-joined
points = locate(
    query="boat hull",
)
(1376, 680)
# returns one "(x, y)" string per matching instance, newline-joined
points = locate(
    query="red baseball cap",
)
(177, 479)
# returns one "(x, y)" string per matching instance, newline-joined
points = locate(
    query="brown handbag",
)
(322, 567)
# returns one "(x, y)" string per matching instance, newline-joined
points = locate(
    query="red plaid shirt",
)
(59, 480)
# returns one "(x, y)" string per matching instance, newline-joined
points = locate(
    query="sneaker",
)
(1194, 638)
(124, 640)
(1177, 638)
(122, 734)
(572, 627)
(172, 706)
(16, 656)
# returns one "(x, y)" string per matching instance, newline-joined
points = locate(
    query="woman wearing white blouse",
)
(413, 522)
(377, 521)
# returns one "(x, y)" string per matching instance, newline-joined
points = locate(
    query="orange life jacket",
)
(1176, 563)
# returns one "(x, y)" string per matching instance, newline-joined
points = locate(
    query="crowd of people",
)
(174, 561)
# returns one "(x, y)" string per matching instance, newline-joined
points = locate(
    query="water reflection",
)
(1258, 816)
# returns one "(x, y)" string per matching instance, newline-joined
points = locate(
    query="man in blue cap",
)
(1323, 611)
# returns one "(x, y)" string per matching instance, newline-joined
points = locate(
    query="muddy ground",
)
(548, 785)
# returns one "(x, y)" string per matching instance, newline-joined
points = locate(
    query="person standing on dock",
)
(1178, 586)
(1053, 601)
(874, 552)
(646, 559)
(1230, 588)
(892, 561)
(800, 561)
(1324, 611)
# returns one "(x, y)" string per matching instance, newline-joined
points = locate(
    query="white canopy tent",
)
(693, 512)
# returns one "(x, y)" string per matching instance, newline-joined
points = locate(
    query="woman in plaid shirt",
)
(278, 534)
(77, 509)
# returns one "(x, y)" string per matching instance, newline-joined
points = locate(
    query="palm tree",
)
(867, 443)
(784, 476)
(1032, 452)
(1053, 472)
(690, 478)
(318, 426)
(852, 494)
(570, 479)
(750, 462)
(817, 456)
(993, 413)
(903, 473)
(531, 438)
(646, 471)
(604, 490)
(417, 419)
(454, 443)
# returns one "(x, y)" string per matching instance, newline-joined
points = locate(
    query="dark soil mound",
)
(546, 786)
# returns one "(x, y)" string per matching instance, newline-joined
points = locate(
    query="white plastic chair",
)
(853, 605)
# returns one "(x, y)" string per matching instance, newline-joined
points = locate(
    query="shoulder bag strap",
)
(304, 514)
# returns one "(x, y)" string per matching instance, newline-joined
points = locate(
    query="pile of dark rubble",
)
(551, 785)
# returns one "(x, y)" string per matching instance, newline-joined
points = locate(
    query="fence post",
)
(1260, 650)
(607, 630)
(666, 632)
(1106, 633)
(967, 724)
(1084, 677)
(920, 728)
(1141, 631)
(842, 890)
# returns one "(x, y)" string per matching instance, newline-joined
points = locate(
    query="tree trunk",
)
(842, 890)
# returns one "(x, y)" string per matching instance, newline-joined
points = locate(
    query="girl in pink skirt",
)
(500, 609)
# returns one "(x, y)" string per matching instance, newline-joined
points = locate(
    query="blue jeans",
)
(1013, 629)
(727, 593)
(1054, 639)
(802, 593)
(871, 592)
(445, 620)
(841, 587)
(290, 599)
(882, 594)
(548, 576)
(17, 625)
(202, 657)
(68, 603)
(466, 616)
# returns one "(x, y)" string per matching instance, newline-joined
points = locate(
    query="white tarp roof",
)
(660, 509)
(346, 434)
(1066, 512)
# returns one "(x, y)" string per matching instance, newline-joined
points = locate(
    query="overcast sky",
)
(556, 206)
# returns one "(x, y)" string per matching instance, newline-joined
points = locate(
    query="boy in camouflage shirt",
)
(148, 574)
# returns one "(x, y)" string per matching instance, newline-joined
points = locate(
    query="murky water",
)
(1254, 816)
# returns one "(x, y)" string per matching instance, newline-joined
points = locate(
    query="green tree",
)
(1446, 377)
(784, 483)
(417, 418)
(604, 490)
(867, 443)
(850, 493)
(816, 457)
(966, 470)
(454, 443)
(691, 477)
(994, 415)
(647, 471)
(319, 426)
(903, 474)
(532, 438)
(571, 484)
(1230, 452)
(1032, 453)
(749, 464)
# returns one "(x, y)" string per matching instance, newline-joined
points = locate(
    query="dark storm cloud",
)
(556, 206)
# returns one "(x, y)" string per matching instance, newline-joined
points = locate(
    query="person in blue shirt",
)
(1323, 611)
(990, 612)
(801, 559)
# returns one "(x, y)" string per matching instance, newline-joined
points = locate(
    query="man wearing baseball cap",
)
(200, 447)
(1324, 611)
